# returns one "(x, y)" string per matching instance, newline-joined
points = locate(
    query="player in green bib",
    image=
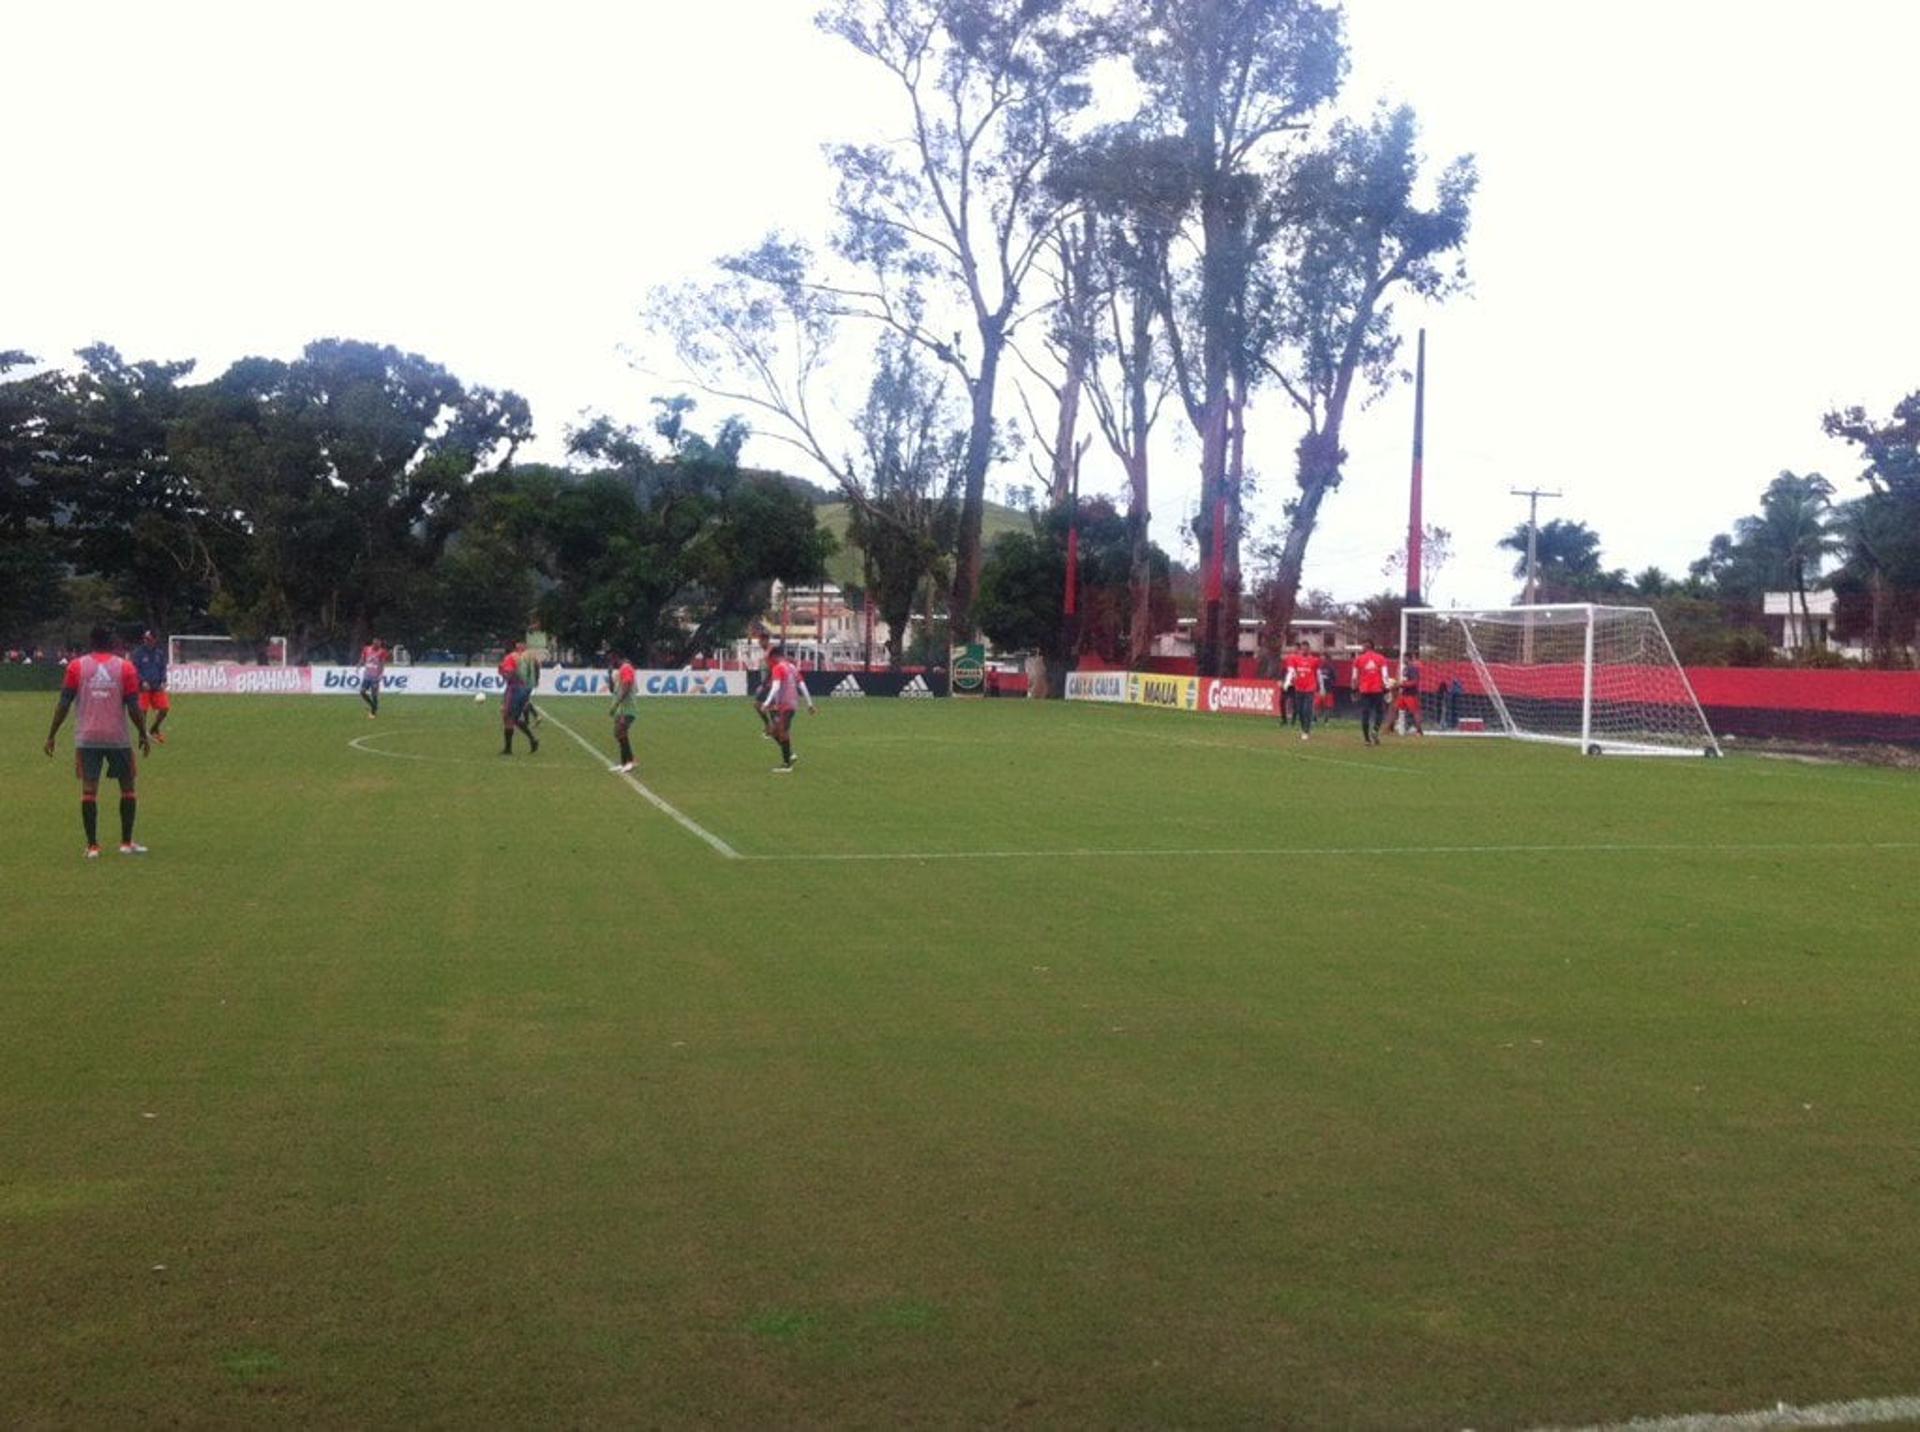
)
(626, 706)
(528, 667)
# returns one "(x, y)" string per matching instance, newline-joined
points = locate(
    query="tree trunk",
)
(1236, 460)
(967, 556)
(1319, 466)
(1139, 565)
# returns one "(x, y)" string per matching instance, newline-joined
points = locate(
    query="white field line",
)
(358, 744)
(1861, 1412)
(684, 821)
(1315, 852)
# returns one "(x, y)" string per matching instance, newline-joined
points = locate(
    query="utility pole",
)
(1533, 496)
(1419, 463)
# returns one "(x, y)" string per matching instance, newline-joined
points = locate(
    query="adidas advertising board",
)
(833, 685)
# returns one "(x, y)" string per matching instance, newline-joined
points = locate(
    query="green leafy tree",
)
(1353, 231)
(1024, 580)
(945, 224)
(662, 558)
(31, 565)
(904, 485)
(348, 472)
(1878, 582)
(1570, 568)
(1790, 539)
(132, 516)
(1228, 87)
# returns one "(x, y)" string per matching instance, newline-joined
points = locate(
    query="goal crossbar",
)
(1601, 678)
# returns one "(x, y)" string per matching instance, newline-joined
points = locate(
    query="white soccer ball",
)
(479, 696)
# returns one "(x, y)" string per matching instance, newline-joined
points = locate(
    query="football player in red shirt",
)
(513, 705)
(784, 690)
(104, 689)
(1407, 697)
(1302, 678)
(1370, 681)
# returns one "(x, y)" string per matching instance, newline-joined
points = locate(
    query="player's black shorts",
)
(88, 761)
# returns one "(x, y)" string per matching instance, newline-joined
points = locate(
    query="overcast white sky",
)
(1696, 229)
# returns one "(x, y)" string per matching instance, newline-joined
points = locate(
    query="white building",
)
(1793, 632)
(1326, 637)
(819, 626)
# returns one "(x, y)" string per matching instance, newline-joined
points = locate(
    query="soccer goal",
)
(1602, 678)
(192, 650)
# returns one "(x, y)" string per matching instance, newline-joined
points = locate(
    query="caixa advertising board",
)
(1097, 686)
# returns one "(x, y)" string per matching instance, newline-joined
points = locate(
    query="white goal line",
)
(1861, 1412)
(1799, 847)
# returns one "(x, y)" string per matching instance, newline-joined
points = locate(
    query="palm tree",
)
(1791, 537)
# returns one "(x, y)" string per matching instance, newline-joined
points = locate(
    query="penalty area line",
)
(1860, 1412)
(1313, 852)
(679, 817)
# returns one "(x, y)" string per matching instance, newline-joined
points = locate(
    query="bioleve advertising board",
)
(234, 679)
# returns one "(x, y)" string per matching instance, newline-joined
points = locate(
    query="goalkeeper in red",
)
(1301, 677)
(102, 690)
(784, 690)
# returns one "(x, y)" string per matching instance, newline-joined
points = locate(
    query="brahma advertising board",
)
(202, 678)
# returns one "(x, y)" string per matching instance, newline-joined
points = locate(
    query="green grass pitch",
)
(1031, 1064)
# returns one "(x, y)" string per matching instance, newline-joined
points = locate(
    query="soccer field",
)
(1007, 1063)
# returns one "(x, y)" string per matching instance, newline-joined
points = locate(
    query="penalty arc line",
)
(681, 819)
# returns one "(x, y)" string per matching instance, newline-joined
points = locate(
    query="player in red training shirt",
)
(1407, 695)
(513, 706)
(784, 690)
(373, 670)
(103, 691)
(1301, 676)
(1370, 681)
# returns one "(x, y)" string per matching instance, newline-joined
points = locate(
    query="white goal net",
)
(192, 650)
(1602, 678)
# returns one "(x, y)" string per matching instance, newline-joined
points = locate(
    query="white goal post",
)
(1601, 678)
(190, 650)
